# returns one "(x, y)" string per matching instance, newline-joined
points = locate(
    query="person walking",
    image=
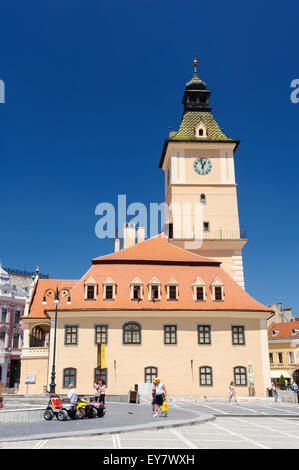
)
(232, 393)
(154, 396)
(275, 390)
(161, 395)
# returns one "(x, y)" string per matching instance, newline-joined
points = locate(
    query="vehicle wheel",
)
(101, 412)
(81, 413)
(62, 415)
(48, 415)
(94, 412)
(73, 414)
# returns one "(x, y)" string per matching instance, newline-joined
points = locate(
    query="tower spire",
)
(196, 96)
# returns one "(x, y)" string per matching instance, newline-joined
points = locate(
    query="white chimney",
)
(140, 234)
(129, 235)
(116, 245)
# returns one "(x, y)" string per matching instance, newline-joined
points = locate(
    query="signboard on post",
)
(30, 378)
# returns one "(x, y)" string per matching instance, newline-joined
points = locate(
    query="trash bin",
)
(133, 396)
(298, 396)
(270, 392)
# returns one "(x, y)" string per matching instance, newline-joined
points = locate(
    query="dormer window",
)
(201, 131)
(294, 332)
(109, 289)
(172, 290)
(275, 332)
(90, 289)
(217, 290)
(154, 290)
(136, 289)
(198, 290)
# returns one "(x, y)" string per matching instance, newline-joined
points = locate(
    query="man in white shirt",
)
(72, 396)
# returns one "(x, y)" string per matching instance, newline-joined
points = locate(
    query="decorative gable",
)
(201, 131)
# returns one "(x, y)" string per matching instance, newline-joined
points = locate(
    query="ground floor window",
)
(150, 373)
(205, 375)
(101, 374)
(240, 375)
(69, 377)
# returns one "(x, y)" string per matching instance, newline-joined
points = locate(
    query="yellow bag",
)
(165, 406)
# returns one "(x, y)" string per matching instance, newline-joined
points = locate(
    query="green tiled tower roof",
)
(196, 111)
(189, 122)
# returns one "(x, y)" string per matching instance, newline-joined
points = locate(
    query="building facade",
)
(173, 305)
(14, 290)
(284, 350)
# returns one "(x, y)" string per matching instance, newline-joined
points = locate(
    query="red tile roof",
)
(284, 330)
(154, 257)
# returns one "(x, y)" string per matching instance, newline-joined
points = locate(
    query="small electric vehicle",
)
(85, 408)
(62, 410)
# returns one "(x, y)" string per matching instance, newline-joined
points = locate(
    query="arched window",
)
(205, 375)
(203, 199)
(69, 377)
(150, 373)
(240, 376)
(132, 333)
(200, 131)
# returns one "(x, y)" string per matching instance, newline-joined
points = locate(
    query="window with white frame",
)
(172, 290)
(136, 289)
(109, 289)
(90, 289)
(291, 357)
(154, 289)
(201, 131)
(217, 288)
(198, 289)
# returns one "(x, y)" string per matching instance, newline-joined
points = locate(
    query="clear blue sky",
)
(91, 90)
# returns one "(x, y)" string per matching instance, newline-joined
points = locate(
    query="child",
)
(165, 408)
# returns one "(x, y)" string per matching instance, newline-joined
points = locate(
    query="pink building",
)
(15, 288)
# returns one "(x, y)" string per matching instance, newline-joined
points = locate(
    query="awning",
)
(275, 374)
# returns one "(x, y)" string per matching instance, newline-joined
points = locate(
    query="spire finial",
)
(195, 63)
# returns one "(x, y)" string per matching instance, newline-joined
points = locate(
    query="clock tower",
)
(200, 185)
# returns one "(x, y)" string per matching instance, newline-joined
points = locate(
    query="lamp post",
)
(57, 296)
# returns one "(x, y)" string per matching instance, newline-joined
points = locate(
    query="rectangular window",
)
(136, 292)
(108, 292)
(206, 226)
(238, 335)
(90, 292)
(15, 341)
(155, 292)
(240, 376)
(204, 334)
(218, 293)
(205, 376)
(101, 374)
(101, 334)
(2, 340)
(173, 292)
(199, 293)
(170, 334)
(3, 315)
(291, 357)
(280, 358)
(271, 358)
(170, 231)
(17, 317)
(71, 334)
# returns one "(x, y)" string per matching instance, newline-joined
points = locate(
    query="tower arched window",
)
(203, 199)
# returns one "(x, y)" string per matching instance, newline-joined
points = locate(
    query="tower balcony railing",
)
(224, 235)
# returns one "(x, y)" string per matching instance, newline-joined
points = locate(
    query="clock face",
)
(202, 166)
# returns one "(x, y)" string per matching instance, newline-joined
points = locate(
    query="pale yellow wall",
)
(34, 365)
(173, 361)
(284, 348)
